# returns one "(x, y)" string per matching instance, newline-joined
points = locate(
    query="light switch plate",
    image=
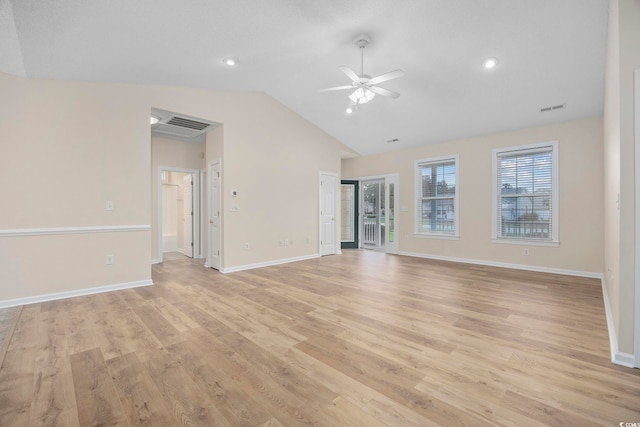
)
(108, 205)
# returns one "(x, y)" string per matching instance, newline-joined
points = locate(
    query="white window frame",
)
(418, 199)
(555, 196)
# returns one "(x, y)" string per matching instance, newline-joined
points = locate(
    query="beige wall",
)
(581, 213)
(275, 170)
(67, 148)
(172, 153)
(70, 146)
(623, 58)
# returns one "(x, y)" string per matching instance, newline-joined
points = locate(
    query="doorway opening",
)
(374, 220)
(178, 214)
(349, 203)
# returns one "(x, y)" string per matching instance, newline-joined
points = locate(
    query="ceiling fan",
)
(364, 86)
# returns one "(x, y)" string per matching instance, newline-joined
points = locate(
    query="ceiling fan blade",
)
(384, 92)
(350, 73)
(329, 89)
(387, 76)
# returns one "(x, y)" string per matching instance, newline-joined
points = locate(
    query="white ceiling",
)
(551, 52)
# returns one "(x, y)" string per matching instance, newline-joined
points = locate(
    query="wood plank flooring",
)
(359, 339)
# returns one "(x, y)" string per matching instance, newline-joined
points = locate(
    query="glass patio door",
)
(373, 213)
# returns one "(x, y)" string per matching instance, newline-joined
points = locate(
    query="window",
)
(526, 194)
(436, 197)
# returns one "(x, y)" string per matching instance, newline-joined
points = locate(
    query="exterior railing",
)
(519, 228)
(446, 225)
(373, 230)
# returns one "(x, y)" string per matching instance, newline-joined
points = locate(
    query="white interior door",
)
(215, 219)
(328, 195)
(187, 217)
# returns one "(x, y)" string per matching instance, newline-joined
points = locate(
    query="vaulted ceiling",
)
(550, 52)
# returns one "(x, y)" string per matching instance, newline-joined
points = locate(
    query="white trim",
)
(617, 357)
(436, 236)
(578, 273)
(209, 253)
(624, 359)
(525, 242)
(268, 263)
(203, 212)
(637, 216)
(392, 247)
(155, 261)
(13, 232)
(555, 202)
(417, 219)
(72, 294)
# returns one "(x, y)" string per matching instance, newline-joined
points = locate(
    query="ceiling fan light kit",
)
(364, 86)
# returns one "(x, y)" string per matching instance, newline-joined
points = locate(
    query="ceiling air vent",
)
(554, 107)
(183, 122)
(181, 126)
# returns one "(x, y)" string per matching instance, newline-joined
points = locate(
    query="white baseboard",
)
(70, 294)
(617, 357)
(624, 359)
(578, 273)
(156, 261)
(268, 263)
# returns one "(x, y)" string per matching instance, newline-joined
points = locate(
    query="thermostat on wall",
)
(234, 193)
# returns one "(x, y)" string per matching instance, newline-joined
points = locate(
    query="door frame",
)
(395, 179)
(203, 212)
(195, 177)
(636, 131)
(209, 259)
(356, 215)
(336, 223)
(361, 215)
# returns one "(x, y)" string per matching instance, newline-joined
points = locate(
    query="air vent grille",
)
(554, 107)
(187, 123)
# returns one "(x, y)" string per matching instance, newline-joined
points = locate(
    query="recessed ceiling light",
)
(229, 61)
(490, 63)
(153, 120)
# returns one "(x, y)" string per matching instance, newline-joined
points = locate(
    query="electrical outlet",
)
(109, 259)
(525, 251)
(108, 205)
(246, 246)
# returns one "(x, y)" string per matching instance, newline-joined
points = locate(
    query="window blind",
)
(436, 196)
(525, 194)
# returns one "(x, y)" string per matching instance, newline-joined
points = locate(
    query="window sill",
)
(524, 242)
(437, 236)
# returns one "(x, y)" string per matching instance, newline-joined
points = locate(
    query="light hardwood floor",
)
(360, 339)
